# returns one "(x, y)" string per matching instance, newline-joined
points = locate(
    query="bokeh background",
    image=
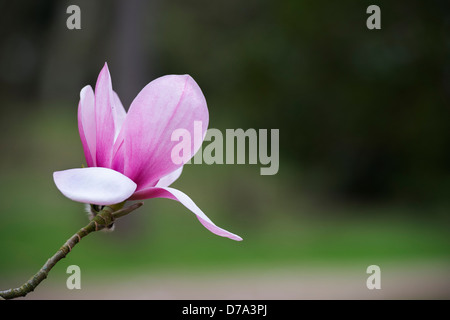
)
(364, 148)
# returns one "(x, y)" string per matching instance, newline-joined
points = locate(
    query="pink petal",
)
(119, 114)
(164, 105)
(174, 194)
(95, 185)
(167, 180)
(86, 124)
(104, 115)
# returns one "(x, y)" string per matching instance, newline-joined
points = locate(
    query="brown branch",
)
(104, 218)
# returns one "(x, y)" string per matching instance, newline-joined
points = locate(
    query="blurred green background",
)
(364, 140)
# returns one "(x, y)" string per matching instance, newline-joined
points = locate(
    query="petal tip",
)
(235, 238)
(84, 91)
(104, 73)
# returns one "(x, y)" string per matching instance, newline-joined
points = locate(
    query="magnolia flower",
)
(129, 154)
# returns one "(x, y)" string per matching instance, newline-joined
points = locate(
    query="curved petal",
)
(174, 194)
(167, 180)
(104, 116)
(166, 104)
(86, 125)
(95, 185)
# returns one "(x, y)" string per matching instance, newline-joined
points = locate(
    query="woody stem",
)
(104, 218)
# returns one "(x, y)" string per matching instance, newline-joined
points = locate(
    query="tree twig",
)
(104, 218)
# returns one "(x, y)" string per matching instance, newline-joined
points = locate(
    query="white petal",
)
(94, 185)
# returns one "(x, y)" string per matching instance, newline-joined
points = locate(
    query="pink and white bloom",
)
(129, 154)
